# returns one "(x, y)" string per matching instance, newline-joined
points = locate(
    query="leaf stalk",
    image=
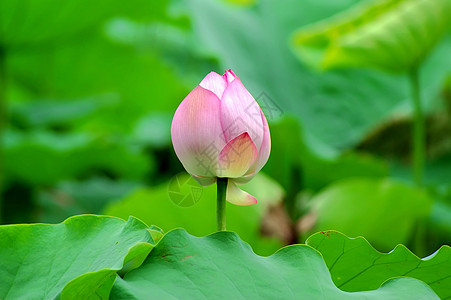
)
(221, 203)
(418, 134)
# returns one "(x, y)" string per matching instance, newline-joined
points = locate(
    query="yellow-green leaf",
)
(393, 35)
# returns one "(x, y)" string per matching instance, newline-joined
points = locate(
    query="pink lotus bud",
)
(220, 131)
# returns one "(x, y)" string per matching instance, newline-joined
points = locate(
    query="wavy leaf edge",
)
(398, 246)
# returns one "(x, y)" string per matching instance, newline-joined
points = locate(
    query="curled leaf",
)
(393, 35)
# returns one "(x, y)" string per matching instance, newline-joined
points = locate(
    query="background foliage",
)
(87, 97)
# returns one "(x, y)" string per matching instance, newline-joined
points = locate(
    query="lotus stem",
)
(2, 116)
(418, 155)
(221, 204)
(418, 136)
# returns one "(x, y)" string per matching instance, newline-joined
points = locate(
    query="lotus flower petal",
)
(197, 134)
(204, 181)
(215, 83)
(237, 196)
(265, 149)
(237, 157)
(219, 131)
(245, 178)
(229, 76)
(236, 105)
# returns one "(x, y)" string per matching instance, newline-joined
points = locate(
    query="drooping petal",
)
(237, 196)
(237, 105)
(263, 153)
(237, 157)
(215, 83)
(196, 132)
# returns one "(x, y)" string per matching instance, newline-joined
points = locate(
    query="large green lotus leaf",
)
(356, 266)
(187, 204)
(222, 266)
(394, 35)
(74, 258)
(338, 107)
(382, 210)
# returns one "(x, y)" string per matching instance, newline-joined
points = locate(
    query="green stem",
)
(221, 204)
(418, 136)
(418, 155)
(2, 117)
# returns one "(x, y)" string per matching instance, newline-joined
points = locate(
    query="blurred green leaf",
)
(351, 164)
(42, 157)
(68, 198)
(356, 266)
(29, 22)
(153, 130)
(317, 165)
(242, 2)
(137, 83)
(25, 23)
(58, 113)
(183, 266)
(436, 172)
(163, 205)
(438, 186)
(172, 42)
(394, 35)
(440, 219)
(74, 258)
(384, 211)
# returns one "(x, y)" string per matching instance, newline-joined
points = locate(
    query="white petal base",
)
(204, 181)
